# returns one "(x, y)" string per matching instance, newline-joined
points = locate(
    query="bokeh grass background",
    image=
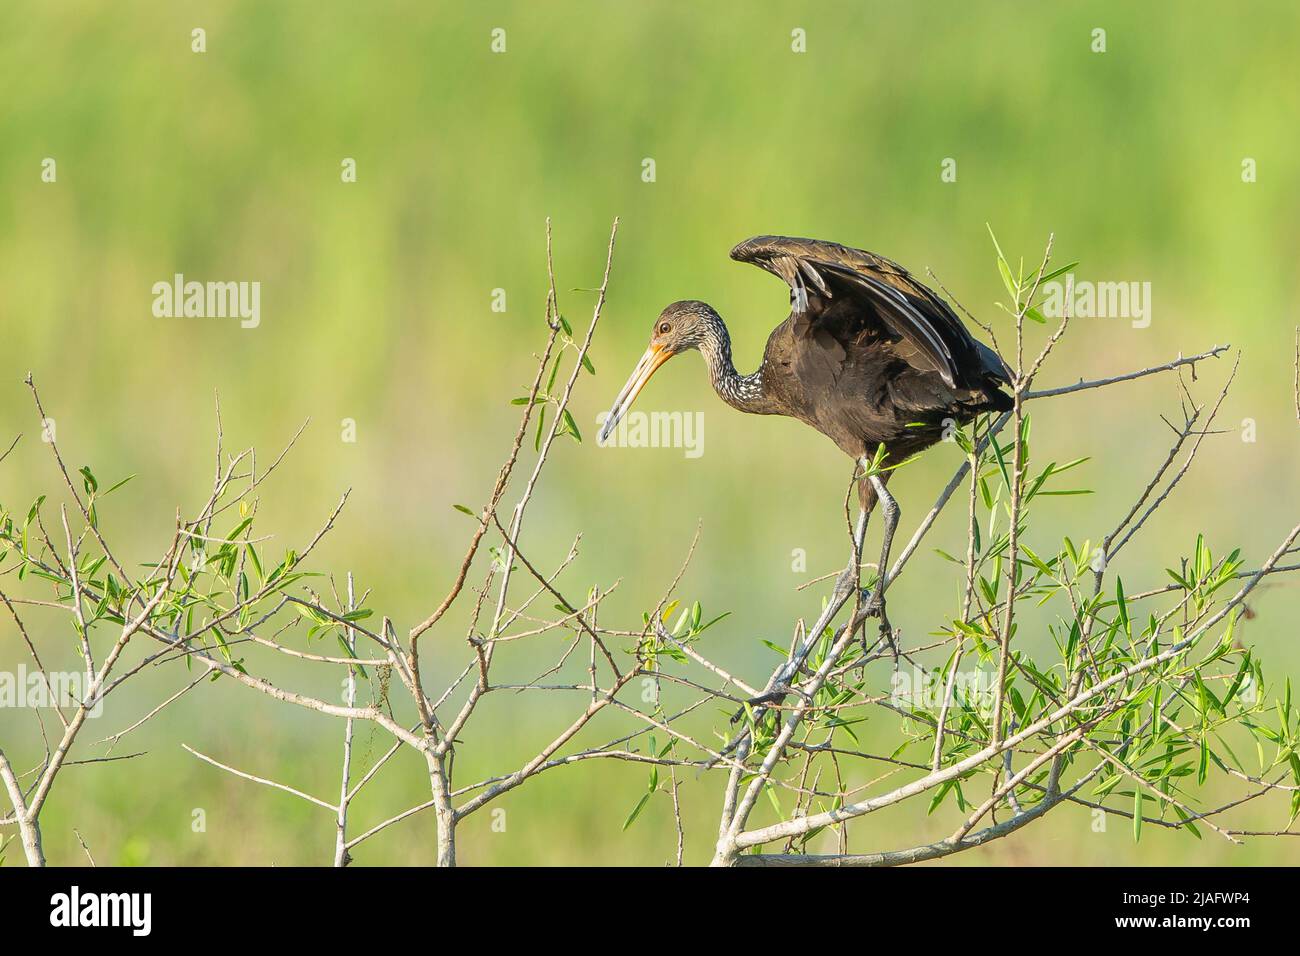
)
(376, 306)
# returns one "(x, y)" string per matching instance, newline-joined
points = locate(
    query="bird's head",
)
(681, 326)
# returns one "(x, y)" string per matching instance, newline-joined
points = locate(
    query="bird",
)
(868, 356)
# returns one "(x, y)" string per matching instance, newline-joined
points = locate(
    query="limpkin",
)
(868, 356)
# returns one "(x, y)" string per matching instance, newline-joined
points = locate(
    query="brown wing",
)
(845, 293)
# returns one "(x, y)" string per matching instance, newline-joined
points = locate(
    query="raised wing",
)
(884, 296)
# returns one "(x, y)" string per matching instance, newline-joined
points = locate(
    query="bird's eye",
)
(665, 329)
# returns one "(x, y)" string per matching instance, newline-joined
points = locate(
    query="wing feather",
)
(889, 296)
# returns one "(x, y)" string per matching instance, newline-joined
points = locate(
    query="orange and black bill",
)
(654, 356)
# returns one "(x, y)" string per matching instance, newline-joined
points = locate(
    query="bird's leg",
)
(848, 579)
(845, 584)
(780, 684)
(877, 604)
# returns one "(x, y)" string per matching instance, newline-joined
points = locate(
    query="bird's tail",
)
(998, 400)
(993, 373)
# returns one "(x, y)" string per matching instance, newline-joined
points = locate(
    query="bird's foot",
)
(873, 603)
(771, 696)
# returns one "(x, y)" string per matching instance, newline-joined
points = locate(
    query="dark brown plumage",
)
(868, 355)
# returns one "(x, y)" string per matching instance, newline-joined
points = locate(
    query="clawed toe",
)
(872, 605)
(770, 697)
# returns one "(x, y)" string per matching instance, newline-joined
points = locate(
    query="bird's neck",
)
(743, 392)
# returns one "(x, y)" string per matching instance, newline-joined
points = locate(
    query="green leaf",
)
(555, 370)
(1007, 280)
(1049, 276)
(571, 425)
(1208, 700)
(1123, 607)
(1188, 825)
(636, 811)
(348, 651)
(541, 425)
(770, 790)
(1003, 267)
(937, 799)
(1237, 681)
(118, 485)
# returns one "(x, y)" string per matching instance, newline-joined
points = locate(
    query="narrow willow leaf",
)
(636, 811)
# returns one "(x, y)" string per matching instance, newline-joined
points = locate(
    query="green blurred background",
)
(376, 307)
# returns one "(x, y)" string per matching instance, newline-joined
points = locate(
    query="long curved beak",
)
(654, 356)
